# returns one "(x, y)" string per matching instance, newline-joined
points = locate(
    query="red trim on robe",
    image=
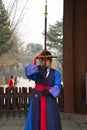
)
(42, 106)
(43, 113)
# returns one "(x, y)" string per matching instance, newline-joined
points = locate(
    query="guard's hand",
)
(42, 68)
(46, 93)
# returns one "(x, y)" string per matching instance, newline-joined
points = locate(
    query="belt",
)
(41, 87)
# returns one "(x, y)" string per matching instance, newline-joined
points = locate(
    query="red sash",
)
(40, 87)
(42, 106)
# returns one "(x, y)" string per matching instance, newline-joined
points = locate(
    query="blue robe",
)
(52, 112)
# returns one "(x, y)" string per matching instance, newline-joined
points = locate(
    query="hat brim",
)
(47, 56)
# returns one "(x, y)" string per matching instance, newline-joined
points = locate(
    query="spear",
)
(45, 34)
(45, 25)
(43, 99)
(45, 39)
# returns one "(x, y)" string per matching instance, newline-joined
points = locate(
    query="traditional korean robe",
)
(53, 79)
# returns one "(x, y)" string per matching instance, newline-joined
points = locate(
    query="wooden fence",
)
(17, 101)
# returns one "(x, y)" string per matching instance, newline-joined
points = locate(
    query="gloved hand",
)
(46, 93)
(42, 68)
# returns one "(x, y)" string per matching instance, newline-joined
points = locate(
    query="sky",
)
(31, 23)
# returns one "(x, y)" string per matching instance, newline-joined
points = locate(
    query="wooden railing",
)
(17, 101)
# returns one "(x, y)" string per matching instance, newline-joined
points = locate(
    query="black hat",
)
(46, 54)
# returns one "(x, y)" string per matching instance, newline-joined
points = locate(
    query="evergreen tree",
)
(34, 48)
(55, 34)
(55, 40)
(5, 30)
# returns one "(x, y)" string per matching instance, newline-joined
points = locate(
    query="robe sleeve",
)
(56, 88)
(30, 71)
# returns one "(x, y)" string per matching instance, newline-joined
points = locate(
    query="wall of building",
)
(75, 55)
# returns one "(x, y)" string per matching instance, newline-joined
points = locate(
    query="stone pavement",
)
(73, 121)
(69, 122)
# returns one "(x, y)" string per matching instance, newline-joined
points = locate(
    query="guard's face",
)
(46, 62)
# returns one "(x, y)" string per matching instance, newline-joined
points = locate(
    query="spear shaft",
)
(45, 25)
(45, 39)
(43, 99)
